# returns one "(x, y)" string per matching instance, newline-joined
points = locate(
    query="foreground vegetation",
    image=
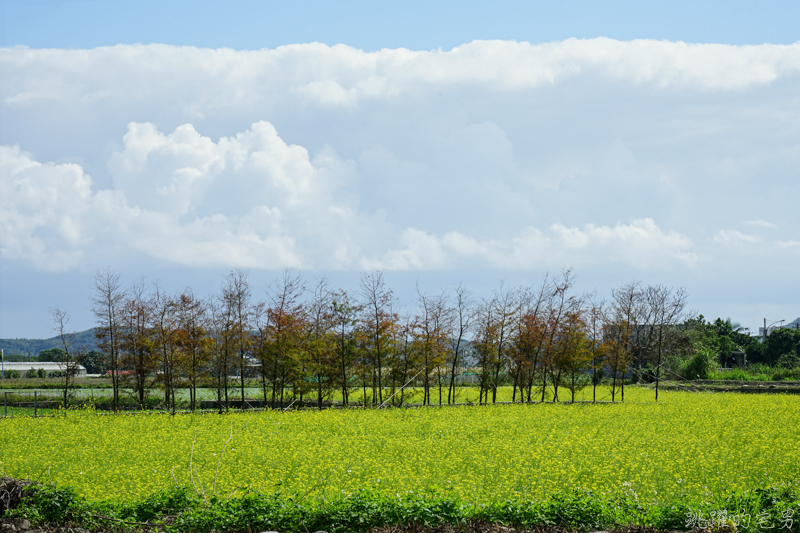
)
(178, 509)
(583, 465)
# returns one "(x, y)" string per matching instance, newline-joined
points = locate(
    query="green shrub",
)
(789, 360)
(786, 374)
(733, 374)
(701, 364)
(581, 510)
(46, 504)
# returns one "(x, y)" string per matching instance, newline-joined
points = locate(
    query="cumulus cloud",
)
(640, 244)
(185, 171)
(179, 197)
(252, 200)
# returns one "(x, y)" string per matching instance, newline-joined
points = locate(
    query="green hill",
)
(83, 340)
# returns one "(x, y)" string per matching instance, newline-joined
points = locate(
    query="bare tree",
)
(666, 310)
(344, 317)
(560, 303)
(594, 323)
(107, 305)
(192, 339)
(463, 313)
(528, 338)
(69, 363)
(432, 326)
(573, 355)
(405, 360)
(165, 339)
(136, 342)
(286, 320)
(621, 332)
(236, 294)
(497, 324)
(377, 322)
(485, 345)
(220, 363)
(319, 340)
(260, 319)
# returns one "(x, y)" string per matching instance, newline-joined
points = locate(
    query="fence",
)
(34, 403)
(39, 403)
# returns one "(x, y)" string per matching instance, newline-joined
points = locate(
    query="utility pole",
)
(2, 364)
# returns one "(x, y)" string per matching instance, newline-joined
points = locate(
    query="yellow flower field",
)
(687, 444)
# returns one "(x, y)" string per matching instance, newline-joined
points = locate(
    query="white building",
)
(22, 368)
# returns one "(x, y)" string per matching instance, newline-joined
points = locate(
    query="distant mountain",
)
(794, 324)
(83, 340)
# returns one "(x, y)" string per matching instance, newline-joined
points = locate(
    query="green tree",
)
(94, 362)
(779, 343)
(723, 337)
(53, 355)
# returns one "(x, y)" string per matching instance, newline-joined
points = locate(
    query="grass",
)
(682, 446)
(757, 372)
(641, 462)
(80, 398)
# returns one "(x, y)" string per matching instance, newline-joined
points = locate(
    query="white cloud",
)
(643, 159)
(733, 237)
(179, 197)
(341, 75)
(761, 223)
(184, 171)
(640, 244)
(280, 208)
(42, 210)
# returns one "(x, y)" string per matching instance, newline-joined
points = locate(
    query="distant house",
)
(22, 368)
(119, 372)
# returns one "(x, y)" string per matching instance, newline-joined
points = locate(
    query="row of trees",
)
(780, 348)
(311, 344)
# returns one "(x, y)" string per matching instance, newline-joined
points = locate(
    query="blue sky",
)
(370, 26)
(439, 142)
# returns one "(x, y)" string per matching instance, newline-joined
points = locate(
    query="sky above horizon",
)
(442, 143)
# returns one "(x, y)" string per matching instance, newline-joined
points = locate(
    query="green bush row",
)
(46, 383)
(33, 373)
(758, 372)
(181, 510)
